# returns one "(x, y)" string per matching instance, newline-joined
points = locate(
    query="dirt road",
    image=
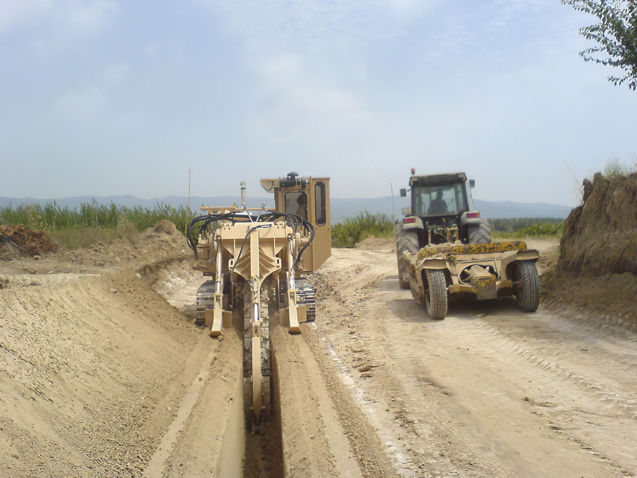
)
(102, 377)
(489, 391)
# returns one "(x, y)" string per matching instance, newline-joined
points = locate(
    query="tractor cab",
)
(441, 209)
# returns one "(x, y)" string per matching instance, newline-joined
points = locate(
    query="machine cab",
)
(310, 199)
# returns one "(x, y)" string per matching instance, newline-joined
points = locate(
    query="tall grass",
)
(356, 229)
(92, 222)
(615, 168)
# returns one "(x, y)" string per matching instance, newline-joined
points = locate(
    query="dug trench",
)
(104, 374)
(316, 428)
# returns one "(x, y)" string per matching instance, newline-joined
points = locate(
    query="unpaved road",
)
(489, 391)
(102, 377)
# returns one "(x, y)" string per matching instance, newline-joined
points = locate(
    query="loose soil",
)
(595, 279)
(104, 374)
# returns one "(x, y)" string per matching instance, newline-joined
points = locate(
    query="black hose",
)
(293, 220)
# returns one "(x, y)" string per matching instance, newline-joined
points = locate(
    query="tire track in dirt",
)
(449, 396)
(324, 431)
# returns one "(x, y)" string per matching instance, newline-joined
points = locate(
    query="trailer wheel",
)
(480, 234)
(405, 241)
(436, 294)
(527, 289)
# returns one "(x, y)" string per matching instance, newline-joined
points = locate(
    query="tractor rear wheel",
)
(405, 241)
(480, 233)
(436, 294)
(527, 287)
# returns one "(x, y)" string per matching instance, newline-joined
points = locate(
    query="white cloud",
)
(16, 13)
(54, 25)
(310, 57)
(91, 100)
(79, 105)
(116, 73)
(73, 17)
(150, 49)
(293, 100)
(86, 17)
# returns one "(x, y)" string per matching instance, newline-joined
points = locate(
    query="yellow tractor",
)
(256, 261)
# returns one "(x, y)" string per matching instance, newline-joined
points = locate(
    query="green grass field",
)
(92, 223)
(352, 230)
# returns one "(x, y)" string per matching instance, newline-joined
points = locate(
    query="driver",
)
(438, 205)
(302, 206)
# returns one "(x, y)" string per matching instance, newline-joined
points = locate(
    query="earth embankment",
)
(100, 373)
(596, 275)
(600, 236)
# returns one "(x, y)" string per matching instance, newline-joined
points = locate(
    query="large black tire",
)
(436, 295)
(405, 241)
(527, 288)
(480, 233)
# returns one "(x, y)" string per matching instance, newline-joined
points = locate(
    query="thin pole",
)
(393, 210)
(189, 170)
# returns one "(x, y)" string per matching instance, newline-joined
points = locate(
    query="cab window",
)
(319, 200)
(296, 203)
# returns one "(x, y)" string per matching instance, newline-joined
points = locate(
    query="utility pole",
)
(189, 170)
(393, 210)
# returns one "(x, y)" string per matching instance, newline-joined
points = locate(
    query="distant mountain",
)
(488, 209)
(340, 207)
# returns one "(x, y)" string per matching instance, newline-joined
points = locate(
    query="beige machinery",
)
(256, 261)
(445, 250)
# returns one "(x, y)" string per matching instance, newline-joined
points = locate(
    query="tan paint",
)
(321, 248)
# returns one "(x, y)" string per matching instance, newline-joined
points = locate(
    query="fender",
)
(412, 223)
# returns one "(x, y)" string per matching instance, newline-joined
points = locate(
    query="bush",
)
(356, 229)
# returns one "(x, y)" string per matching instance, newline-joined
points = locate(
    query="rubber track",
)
(205, 300)
(405, 241)
(437, 294)
(529, 299)
(306, 295)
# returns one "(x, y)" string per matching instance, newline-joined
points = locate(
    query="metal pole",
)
(393, 210)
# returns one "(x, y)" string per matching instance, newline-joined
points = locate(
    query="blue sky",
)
(111, 97)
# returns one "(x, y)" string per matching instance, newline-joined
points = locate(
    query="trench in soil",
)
(264, 452)
(239, 451)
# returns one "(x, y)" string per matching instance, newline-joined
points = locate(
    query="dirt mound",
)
(600, 236)
(371, 243)
(16, 241)
(596, 275)
(164, 227)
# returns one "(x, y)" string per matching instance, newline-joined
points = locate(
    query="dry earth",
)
(104, 375)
